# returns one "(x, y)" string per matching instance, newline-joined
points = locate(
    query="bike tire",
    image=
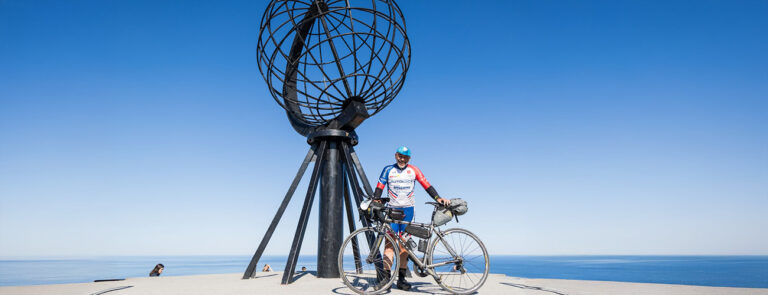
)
(475, 258)
(364, 280)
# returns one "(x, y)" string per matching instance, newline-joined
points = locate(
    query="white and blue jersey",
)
(401, 184)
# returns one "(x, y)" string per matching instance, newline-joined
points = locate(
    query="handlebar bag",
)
(373, 209)
(397, 214)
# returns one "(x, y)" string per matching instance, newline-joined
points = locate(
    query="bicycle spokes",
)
(364, 268)
(460, 260)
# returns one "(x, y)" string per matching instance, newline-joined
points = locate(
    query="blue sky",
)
(571, 127)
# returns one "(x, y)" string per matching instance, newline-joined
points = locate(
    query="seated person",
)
(157, 270)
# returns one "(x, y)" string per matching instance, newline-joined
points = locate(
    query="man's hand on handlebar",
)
(444, 202)
(381, 200)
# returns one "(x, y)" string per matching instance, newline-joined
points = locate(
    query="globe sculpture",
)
(318, 57)
(330, 64)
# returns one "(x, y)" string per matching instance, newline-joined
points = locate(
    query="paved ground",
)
(307, 283)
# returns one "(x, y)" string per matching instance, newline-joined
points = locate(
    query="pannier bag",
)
(443, 215)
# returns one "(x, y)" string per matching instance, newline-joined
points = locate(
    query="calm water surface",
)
(725, 271)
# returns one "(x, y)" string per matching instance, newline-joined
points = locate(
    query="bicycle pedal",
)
(418, 270)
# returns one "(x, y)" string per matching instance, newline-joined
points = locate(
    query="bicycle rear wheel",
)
(467, 261)
(362, 272)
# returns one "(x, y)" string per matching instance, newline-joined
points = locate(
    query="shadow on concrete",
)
(300, 274)
(427, 288)
(521, 286)
(264, 276)
(345, 291)
(111, 289)
(416, 288)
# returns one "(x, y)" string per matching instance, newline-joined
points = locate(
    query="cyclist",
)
(400, 180)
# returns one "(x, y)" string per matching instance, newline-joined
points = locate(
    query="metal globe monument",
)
(318, 57)
(330, 64)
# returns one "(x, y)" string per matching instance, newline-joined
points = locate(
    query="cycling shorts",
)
(408, 217)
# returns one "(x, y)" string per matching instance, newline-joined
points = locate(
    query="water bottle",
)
(422, 245)
(411, 244)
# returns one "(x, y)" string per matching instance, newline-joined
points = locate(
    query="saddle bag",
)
(443, 214)
(458, 206)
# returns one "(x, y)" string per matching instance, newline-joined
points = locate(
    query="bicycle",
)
(456, 258)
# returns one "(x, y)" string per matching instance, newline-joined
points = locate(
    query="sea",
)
(722, 271)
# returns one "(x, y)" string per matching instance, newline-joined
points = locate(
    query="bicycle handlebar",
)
(381, 212)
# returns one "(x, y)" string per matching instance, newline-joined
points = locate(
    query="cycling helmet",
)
(404, 151)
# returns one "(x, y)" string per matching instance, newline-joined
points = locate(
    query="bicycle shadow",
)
(521, 286)
(427, 288)
(416, 287)
(369, 282)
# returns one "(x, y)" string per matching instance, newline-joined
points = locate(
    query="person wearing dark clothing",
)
(157, 270)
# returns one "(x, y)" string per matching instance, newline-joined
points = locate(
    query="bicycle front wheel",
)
(362, 263)
(465, 262)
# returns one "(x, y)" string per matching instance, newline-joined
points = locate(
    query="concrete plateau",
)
(307, 283)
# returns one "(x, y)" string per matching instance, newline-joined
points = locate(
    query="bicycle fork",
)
(376, 244)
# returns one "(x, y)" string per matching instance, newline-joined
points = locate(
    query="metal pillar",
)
(330, 222)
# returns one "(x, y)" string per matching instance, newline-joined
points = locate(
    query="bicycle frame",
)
(383, 227)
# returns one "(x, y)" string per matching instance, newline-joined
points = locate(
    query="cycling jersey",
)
(401, 184)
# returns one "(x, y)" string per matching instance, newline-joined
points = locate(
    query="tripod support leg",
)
(349, 160)
(298, 238)
(353, 180)
(349, 164)
(350, 152)
(251, 269)
(351, 222)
